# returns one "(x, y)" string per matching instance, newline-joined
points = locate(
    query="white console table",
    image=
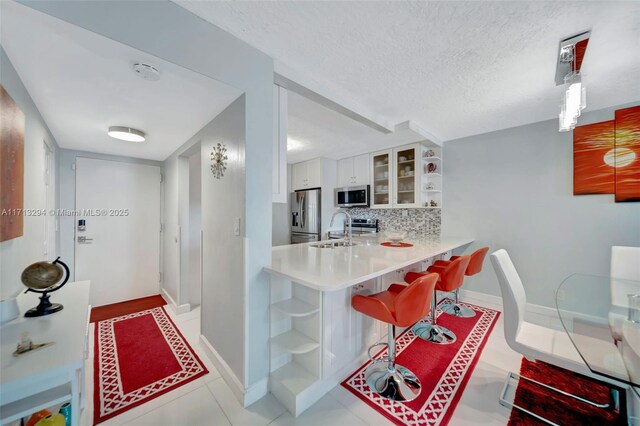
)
(52, 375)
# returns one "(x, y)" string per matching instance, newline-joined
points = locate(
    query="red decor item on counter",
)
(390, 244)
(139, 357)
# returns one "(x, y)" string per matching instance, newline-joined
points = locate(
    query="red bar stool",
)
(450, 277)
(475, 266)
(400, 306)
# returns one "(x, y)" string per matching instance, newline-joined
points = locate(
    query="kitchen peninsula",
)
(317, 339)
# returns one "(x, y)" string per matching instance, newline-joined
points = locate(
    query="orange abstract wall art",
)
(606, 157)
(627, 170)
(593, 148)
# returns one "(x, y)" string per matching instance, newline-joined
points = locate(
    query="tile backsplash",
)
(420, 223)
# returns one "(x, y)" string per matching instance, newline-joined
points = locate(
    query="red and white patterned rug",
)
(443, 370)
(139, 357)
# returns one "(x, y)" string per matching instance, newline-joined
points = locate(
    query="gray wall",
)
(513, 189)
(20, 252)
(221, 201)
(223, 268)
(67, 195)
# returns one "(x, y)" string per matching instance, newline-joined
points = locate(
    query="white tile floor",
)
(209, 401)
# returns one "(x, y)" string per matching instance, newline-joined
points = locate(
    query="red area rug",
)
(139, 357)
(123, 308)
(556, 407)
(443, 370)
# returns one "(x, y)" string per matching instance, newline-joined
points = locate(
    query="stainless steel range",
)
(359, 227)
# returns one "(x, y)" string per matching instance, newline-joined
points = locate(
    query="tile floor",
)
(209, 401)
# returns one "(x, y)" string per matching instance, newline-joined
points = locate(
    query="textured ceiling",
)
(82, 83)
(455, 68)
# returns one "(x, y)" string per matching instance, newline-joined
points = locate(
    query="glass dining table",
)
(598, 311)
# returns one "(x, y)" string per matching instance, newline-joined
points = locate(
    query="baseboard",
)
(182, 309)
(246, 396)
(256, 391)
(537, 314)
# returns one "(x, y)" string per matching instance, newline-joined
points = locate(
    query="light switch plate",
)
(236, 226)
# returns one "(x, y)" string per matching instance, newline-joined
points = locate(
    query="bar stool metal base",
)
(434, 333)
(457, 310)
(396, 384)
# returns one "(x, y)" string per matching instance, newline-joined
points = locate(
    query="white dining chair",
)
(535, 342)
(625, 264)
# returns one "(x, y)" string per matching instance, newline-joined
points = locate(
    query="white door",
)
(120, 249)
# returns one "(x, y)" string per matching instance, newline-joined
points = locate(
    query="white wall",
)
(195, 225)
(281, 231)
(513, 189)
(183, 223)
(222, 203)
(18, 253)
(67, 196)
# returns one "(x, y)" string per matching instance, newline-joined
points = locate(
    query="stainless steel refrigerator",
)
(305, 216)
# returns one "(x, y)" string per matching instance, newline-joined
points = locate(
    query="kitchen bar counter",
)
(331, 269)
(317, 338)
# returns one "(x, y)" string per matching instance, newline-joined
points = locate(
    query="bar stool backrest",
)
(476, 261)
(413, 302)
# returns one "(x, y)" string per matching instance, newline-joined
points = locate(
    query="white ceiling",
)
(82, 83)
(455, 68)
(316, 131)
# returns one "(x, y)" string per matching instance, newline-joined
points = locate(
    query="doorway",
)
(190, 219)
(117, 247)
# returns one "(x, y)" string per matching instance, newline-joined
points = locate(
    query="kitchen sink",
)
(332, 244)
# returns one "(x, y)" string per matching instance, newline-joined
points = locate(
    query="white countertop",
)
(327, 269)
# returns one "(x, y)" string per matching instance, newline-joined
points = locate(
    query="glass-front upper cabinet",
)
(407, 161)
(381, 179)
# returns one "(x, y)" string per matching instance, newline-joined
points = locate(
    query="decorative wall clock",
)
(219, 160)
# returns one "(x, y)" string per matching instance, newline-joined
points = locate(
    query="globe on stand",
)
(45, 278)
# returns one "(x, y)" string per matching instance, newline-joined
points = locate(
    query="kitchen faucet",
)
(347, 221)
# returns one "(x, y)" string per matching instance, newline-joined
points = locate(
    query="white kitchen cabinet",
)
(361, 169)
(345, 172)
(314, 173)
(307, 174)
(381, 179)
(347, 333)
(353, 171)
(298, 176)
(408, 176)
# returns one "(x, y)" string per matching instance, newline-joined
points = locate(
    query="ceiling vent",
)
(146, 71)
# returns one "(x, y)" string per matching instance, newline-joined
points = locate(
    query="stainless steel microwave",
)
(352, 196)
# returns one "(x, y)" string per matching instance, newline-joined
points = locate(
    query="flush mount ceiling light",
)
(574, 95)
(146, 71)
(126, 134)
